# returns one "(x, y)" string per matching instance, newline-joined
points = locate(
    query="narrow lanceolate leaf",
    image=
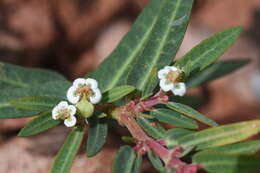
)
(156, 161)
(245, 148)
(12, 76)
(174, 118)
(39, 124)
(215, 71)
(117, 93)
(124, 160)
(150, 128)
(113, 71)
(208, 51)
(96, 136)
(190, 112)
(227, 163)
(172, 136)
(164, 41)
(137, 164)
(35, 103)
(221, 135)
(52, 89)
(67, 153)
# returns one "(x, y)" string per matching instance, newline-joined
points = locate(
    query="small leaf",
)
(39, 124)
(221, 135)
(117, 93)
(215, 71)
(227, 163)
(124, 160)
(174, 118)
(156, 161)
(97, 136)
(137, 164)
(67, 153)
(188, 111)
(208, 51)
(155, 132)
(172, 136)
(192, 101)
(35, 103)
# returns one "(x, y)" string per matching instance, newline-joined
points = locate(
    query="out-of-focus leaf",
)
(227, 163)
(68, 151)
(174, 118)
(13, 76)
(39, 124)
(208, 51)
(190, 112)
(124, 160)
(172, 136)
(192, 101)
(221, 135)
(153, 131)
(117, 93)
(97, 136)
(137, 164)
(156, 161)
(215, 71)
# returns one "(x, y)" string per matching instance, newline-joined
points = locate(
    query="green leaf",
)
(35, 103)
(12, 76)
(137, 164)
(172, 136)
(192, 101)
(124, 160)
(117, 93)
(208, 51)
(54, 89)
(67, 153)
(215, 71)
(188, 111)
(245, 148)
(39, 124)
(174, 118)
(221, 135)
(156, 161)
(164, 41)
(154, 131)
(97, 136)
(227, 163)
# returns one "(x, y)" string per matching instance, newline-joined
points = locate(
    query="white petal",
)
(179, 89)
(162, 73)
(79, 82)
(72, 109)
(92, 82)
(71, 121)
(96, 97)
(63, 105)
(72, 98)
(165, 86)
(173, 68)
(55, 112)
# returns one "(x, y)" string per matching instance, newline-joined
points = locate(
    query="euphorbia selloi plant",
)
(140, 87)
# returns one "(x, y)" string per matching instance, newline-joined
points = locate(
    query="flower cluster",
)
(82, 94)
(170, 77)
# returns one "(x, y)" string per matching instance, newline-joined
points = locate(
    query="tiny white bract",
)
(87, 87)
(66, 112)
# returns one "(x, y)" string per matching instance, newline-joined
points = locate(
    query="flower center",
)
(63, 114)
(173, 76)
(84, 90)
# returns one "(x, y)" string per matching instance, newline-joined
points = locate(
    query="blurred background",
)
(74, 36)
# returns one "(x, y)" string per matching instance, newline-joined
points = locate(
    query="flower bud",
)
(85, 108)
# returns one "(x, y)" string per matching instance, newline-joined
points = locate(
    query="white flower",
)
(169, 77)
(82, 86)
(65, 111)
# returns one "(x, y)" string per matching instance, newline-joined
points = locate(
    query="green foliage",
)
(124, 161)
(96, 136)
(137, 164)
(117, 93)
(68, 151)
(174, 118)
(39, 124)
(208, 51)
(188, 111)
(156, 161)
(173, 135)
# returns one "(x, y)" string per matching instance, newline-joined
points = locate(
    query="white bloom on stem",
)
(169, 80)
(82, 86)
(66, 112)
